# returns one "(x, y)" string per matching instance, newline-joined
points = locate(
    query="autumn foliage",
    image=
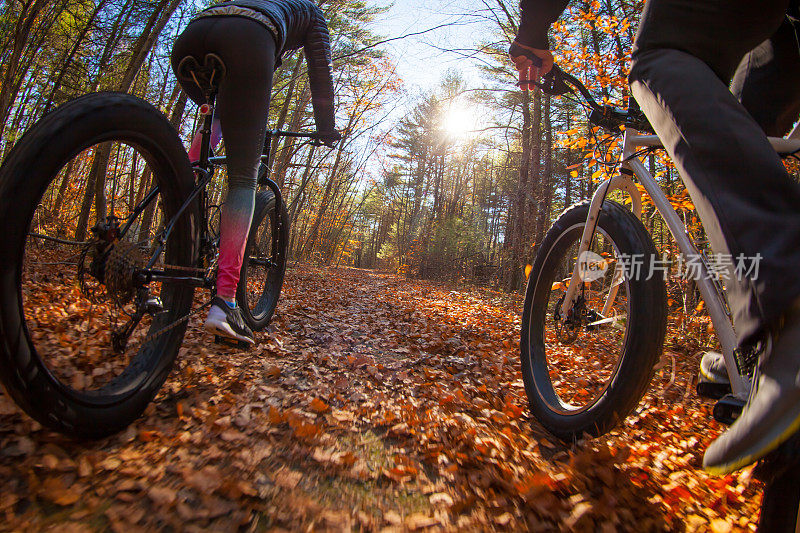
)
(374, 402)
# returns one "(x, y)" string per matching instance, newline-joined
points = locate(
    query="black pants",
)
(685, 55)
(248, 50)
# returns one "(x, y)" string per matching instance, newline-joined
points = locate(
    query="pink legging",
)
(237, 214)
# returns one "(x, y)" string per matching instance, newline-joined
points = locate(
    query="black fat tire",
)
(259, 317)
(780, 473)
(24, 177)
(647, 320)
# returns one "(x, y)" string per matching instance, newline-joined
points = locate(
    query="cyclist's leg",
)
(248, 51)
(687, 51)
(747, 201)
(767, 81)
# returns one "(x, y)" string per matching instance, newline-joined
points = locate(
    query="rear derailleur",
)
(116, 264)
(145, 305)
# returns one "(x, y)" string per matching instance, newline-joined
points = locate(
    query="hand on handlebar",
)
(530, 62)
(330, 138)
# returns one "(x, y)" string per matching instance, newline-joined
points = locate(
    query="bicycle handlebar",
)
(318, 138)
(557, 82)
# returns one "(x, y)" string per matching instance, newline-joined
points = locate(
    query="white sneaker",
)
(227, 322)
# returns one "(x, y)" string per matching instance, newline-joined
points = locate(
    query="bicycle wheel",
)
(261, 278)
(72, 353)
(780, 507)
(585, 373)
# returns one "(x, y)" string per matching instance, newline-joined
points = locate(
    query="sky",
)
(423, 60)
(420, 62)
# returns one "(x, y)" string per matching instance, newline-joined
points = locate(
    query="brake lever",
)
(551, 83)
(554, 84)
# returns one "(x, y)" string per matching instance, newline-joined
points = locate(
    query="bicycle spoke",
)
(88, 317)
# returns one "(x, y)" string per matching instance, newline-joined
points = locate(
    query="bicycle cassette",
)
(121, 264)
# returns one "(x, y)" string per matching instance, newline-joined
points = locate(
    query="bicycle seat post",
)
(207, 110)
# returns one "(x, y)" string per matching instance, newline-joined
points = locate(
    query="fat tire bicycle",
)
(124, 295)
(595, 316)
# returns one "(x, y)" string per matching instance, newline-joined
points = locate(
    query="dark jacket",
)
(537, 16)
(300, 23)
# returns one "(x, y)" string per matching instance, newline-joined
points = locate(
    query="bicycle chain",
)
(184, 268)
(183, 319)
(175, 324)
(119, 273)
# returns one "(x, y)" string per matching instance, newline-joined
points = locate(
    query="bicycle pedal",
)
(728, 409)
(712, 391)
(233, 343)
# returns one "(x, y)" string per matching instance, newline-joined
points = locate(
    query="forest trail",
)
(373, 402)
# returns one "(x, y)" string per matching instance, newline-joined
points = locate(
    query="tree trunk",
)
(141, 48)
(96, 185)
(66, 62)
(308, 247)
(22, 32)
(545, 206)
(100, 161)
(517, 210)
(293, 208)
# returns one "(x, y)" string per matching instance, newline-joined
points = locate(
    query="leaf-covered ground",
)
(374, 402)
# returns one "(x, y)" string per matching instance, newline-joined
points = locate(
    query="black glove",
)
(516, 50)
(330, 138)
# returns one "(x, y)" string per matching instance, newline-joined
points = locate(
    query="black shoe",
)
(713, 370)
(772, 413)
(227, 322)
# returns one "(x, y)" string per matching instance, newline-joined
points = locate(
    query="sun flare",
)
(460, 120)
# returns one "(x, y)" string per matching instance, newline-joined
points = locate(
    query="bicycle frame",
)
(205, 169)
(711, 292)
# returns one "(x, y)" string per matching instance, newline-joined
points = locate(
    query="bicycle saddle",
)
(207, 76)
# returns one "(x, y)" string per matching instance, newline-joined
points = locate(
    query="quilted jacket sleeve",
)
(537, 16)
(317, 48)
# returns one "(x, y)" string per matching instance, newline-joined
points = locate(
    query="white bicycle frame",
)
(713, 297)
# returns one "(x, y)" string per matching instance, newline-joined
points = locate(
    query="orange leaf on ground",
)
(318, 406)
(148, 435)
(57, 491)
(276, 416)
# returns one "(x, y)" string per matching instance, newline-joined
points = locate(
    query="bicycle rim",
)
(264, 264)
(79, 269)
(580, 355)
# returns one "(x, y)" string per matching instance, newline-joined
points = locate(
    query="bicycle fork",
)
(712, 295)
(622, 182)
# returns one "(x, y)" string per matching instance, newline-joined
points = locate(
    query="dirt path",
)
(374, 402)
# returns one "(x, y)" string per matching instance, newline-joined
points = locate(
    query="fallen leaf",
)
(318, 406)
(441, 498)
(148, 435)
(162, 495)
(57, 491)
(206, 480)
(418, 521)
(288, 479)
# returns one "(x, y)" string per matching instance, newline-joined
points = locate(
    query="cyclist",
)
(684, 57)
(250, 36)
